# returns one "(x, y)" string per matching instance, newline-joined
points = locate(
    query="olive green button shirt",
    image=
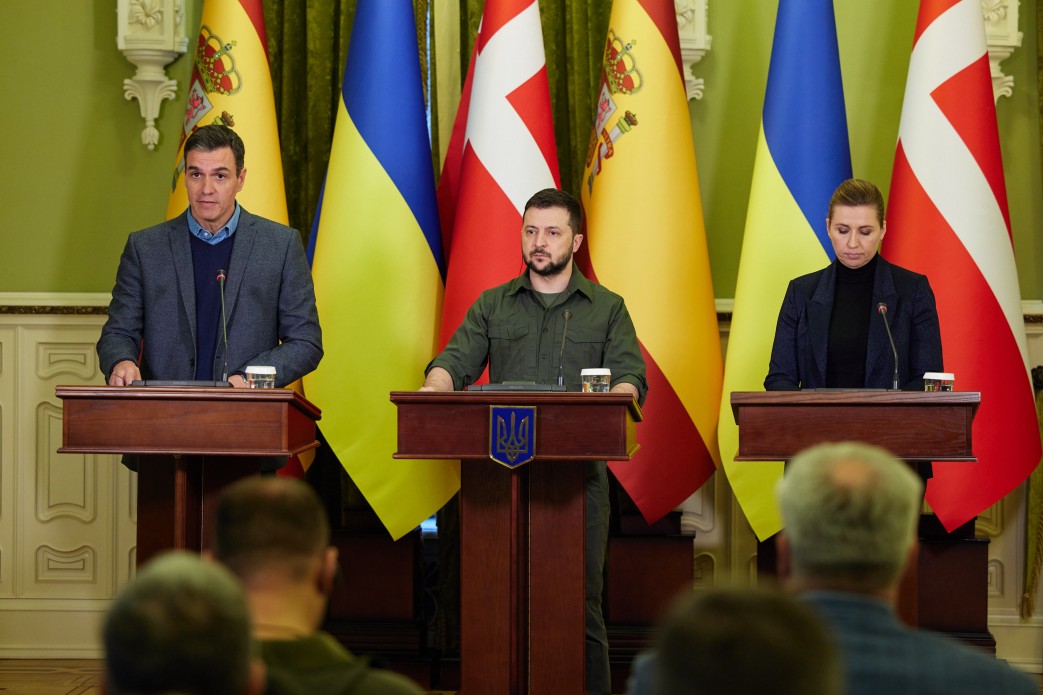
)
(509, 327)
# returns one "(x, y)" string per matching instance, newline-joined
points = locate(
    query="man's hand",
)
(625, 386)
(237, 381)
(124, 374)
(438, 379)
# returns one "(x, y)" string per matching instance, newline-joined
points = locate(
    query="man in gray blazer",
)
(165, 316)
(850, 512)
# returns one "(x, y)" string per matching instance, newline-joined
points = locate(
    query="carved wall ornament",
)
(695, 41)
(1002, 37)
(151, 35)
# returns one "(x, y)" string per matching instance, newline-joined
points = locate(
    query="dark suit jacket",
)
(270, 303)
(882, 655)
(798, 357)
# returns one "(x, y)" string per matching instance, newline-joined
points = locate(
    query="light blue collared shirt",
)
(213, 239)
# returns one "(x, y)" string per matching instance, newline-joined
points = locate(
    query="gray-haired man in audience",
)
(850, 516)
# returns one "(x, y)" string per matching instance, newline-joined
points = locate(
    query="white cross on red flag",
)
(948, 219)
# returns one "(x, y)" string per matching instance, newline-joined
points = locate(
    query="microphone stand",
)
(224, 325)
(881, 309)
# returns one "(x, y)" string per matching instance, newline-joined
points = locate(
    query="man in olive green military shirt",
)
(518, 329)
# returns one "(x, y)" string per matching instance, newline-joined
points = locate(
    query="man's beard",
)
(552, 268)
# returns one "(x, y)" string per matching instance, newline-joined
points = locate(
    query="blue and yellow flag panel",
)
(376, 264)
(802, 155)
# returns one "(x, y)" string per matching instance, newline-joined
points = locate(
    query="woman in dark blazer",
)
(831, 331)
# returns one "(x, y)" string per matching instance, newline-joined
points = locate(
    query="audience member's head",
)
(850, 514)
(754, 641)
(181, 626)
(273, 534)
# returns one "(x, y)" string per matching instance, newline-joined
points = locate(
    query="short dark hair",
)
(269, 522)
(718, 641)
(855, 193)
(181, 625)
(208, 138)
(554, 198)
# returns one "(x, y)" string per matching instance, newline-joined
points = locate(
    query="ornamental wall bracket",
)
(151, 35)
(1002, 37)
(695, 41)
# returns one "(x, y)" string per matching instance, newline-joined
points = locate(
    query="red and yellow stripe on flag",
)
(948, 218)
(231, 84)
(646, 241)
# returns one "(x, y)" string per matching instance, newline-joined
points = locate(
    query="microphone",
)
(881, 309)
(221, 277)
(561, 356)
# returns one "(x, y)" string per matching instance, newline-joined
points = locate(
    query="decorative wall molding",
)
(60, 303)
(695, 41)
(151, 35)
(1002, 37)
(63, 566)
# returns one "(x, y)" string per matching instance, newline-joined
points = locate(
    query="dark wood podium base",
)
(177, 498)
(953, 576)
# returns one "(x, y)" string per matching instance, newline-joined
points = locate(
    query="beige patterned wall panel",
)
(66, 515)
(8, 513)
(77, 566)
(76, 361)
(1004, 522)
(66, 484)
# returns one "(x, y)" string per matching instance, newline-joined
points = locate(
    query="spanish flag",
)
(802, 156)
(646, 241)
(376, 266)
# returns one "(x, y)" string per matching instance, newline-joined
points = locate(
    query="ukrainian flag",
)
(802, 156)
(377, 267)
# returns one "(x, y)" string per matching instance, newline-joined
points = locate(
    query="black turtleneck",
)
(849, 325)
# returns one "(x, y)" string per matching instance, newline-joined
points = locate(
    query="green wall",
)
(77, 180)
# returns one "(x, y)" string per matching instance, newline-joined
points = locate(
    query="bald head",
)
(850, 512)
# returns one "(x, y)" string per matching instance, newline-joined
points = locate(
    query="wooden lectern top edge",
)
(143, 451)
(854, 397)
(189, 393)
(518, 398)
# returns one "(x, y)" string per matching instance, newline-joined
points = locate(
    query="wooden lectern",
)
(912, 425)
(915, 426)
(521, 529)
(191, 443)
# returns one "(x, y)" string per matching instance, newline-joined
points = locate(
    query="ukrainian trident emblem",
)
(512, 434)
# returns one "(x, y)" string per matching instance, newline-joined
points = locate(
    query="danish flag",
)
(949, 219)
(501, 152)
